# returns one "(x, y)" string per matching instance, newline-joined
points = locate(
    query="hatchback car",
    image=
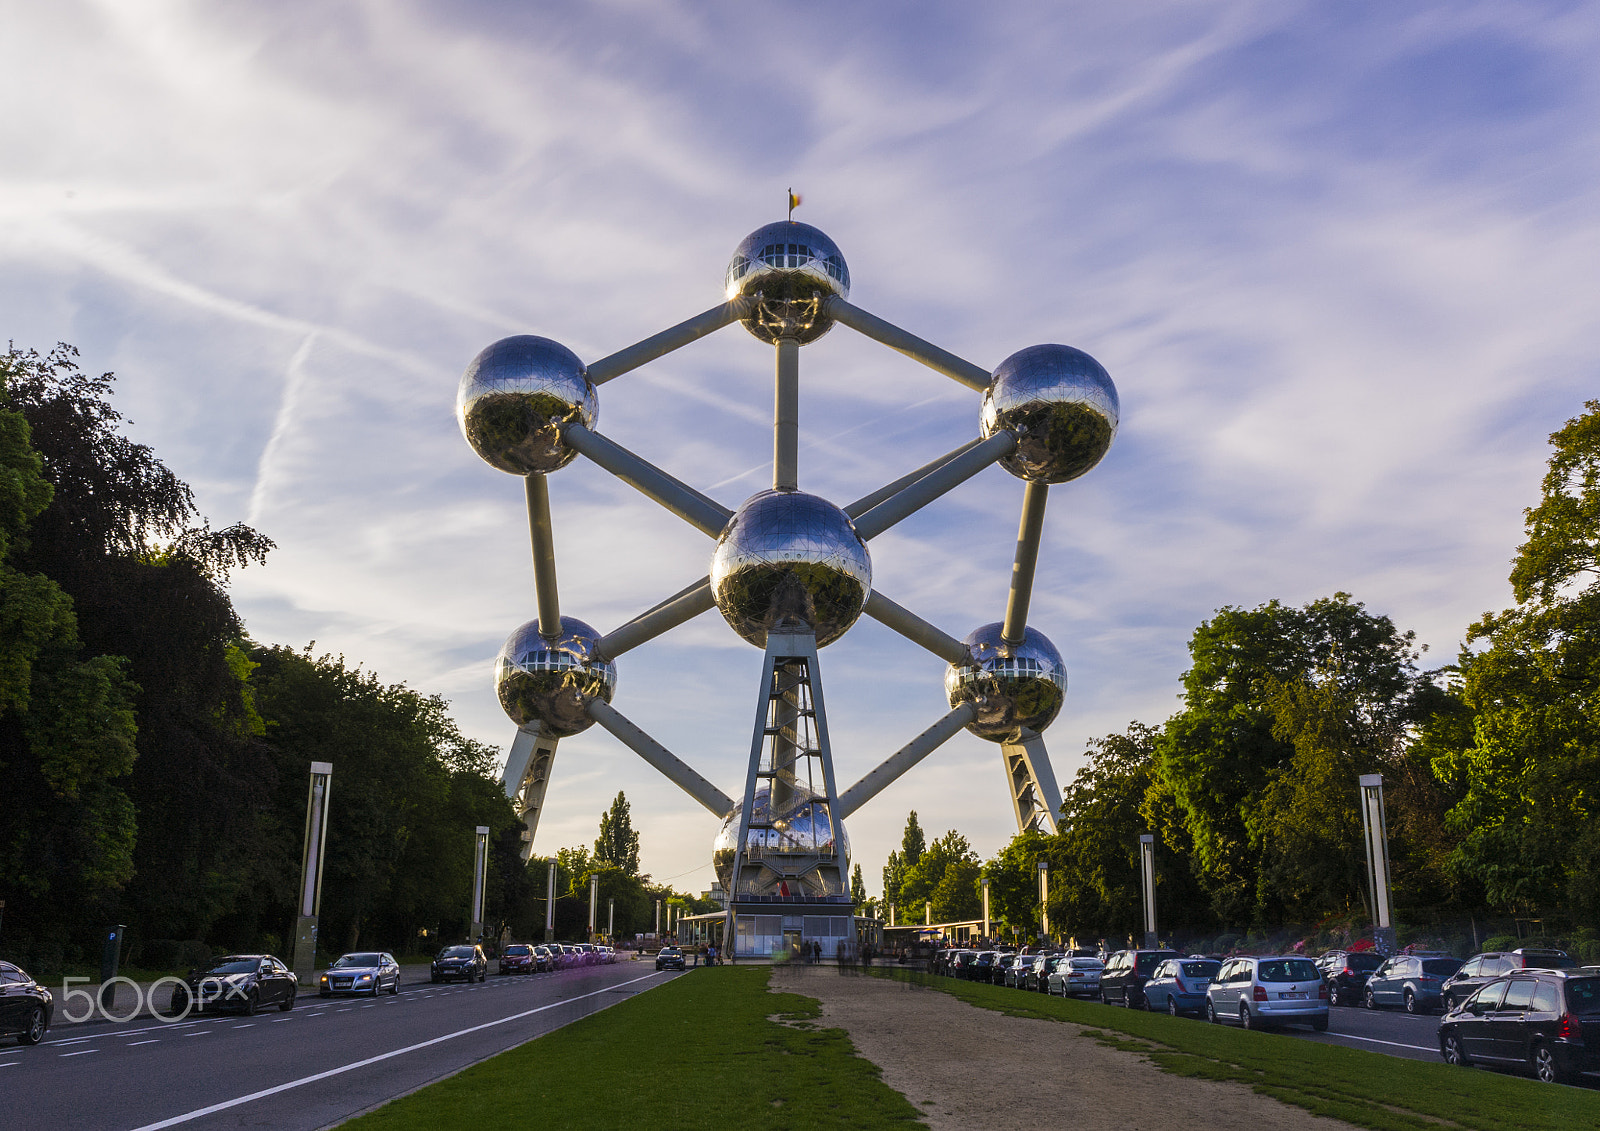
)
(669, 958)
(1126, 972)
(468, 963)
(1481, 969)
(518, 958)
(982, 968)
(1347, 971)
(1178, 985)
(1264, 991)
(1548, 1020)
(1075, 977)
(26, 1007)
(1410, 980)
(244, 982)
(367, 972)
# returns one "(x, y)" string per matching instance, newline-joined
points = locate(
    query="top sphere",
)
(513, 398)
(795, 269)
(790, 556)
(1061, 404)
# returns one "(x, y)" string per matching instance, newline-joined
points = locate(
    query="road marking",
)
(200, 1033)
(1375, 1041)
(247, 1025)
(282, 1020)
(265, 1092)
(10, 1064)
(151, 1041)
(72, 1041)
(80, 1052)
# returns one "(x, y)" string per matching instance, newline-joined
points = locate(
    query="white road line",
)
(70, 1041)
(151, 1041)
(1375, 1041)
(282, 1020)
(248, 1025)
(80, 1052)
(265, 1092)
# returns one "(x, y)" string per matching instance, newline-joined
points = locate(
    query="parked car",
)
(1410, 980)
(1018, 973)
(366, 972)
(518, 958)
(26, 1007)
(959, 962)
(669, 958)
(1548, 1020)
(543, 960)
(1347, 971)
(1178, 985)
(1000, 975)
(245, 982)
(468, 963)
(1075, 977)
(1262, 991)
(1481, 969)
(982, 968)
(1126, 972)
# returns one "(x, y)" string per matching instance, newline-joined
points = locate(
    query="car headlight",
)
(324, 977)
(365, 978)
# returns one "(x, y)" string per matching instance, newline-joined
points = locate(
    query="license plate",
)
(1293, 997)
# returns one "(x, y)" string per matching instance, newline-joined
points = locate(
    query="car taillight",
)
(1322, 991)
(1569, 1029)
(1258, 994)
(1347, 970)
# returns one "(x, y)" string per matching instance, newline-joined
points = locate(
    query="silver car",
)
(365, 972)
(1257, 992)
(1075, 977)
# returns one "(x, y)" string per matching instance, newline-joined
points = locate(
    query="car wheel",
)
(1246, 1020)
(1127, 999)
(1371, 1002)
(1211, 1012)
(287, 1003)
(395, 988)
(1411, 1003)
(434, 979)
(251, 1003)
(1545, 1065)
(1320, 1024)
(1172, 1006)
(1450, 1048)
(1447, 1002)
(34, 1033)
(324, 993)
(1148, 1008)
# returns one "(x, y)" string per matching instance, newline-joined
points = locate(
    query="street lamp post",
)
(311, 865)
(594, 896)
(480, 878)
(611, 919)
(1375, 831)
(1147, 873)
(1044, 900)
(985, 908)
(550, 905)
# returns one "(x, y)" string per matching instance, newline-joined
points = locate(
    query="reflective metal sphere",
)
(789, 556)
(1061, 404)
(513, 396)
(1012, 686)
(792, 266)
(552, 681)
(792, 846)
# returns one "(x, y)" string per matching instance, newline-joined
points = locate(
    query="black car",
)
(1000, 975)
(468, 963)
(982, 968)
(26, 1007)
(960, 962)
(1039, 971)
(1126, 973)
(1548, 1020)
(1481, 969)
(1346, 972)
(245, 982)
(669, 958)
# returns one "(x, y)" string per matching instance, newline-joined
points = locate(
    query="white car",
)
(1257, 992)
(1075, 977)
(366, 972)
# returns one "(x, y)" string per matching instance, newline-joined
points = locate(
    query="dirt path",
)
(978, 1070)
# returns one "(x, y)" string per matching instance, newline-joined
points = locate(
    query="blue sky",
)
(1339, 259)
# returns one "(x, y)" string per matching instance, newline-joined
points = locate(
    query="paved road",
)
(322, 1062)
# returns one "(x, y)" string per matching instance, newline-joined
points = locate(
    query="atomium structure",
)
(790, 572)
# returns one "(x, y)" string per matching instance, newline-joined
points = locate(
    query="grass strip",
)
(1367, 1089)
(700, 1049)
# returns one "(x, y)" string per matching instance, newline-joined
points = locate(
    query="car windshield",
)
(1200, 969)
(1583, 996)
(1087, 964)
(519, 950)
(1147, 962)
(1287, 970)
(359, 960)
(456, 952)
(1365, 963)
(1534, 960)
(1440, 967)
(234, 966)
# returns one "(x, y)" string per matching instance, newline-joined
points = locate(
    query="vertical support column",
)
(786, 417)
(542, 535)
(611, 919)
(985, 908)
(550, 905)
(1375, 831)
(1029, 531)
(927, 913)
(594, 895)
(1044, 899)
(480, 877)
(311, 865)
(1147, 873)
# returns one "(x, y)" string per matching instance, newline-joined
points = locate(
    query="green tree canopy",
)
(618, 843)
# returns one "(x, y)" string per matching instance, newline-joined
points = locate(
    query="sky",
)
(1340, 261)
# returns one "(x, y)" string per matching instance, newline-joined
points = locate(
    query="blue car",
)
(1178, 985)
(1410, 980)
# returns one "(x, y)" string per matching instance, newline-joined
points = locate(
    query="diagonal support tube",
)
(681, 607)
(1029, 532)
(674, 768)
(950, 475)
(786, 417)
(676, 337)
(864, 504)
(915, 629)
(876, 781)
(542, 535)
(704, 514)
(939, 360)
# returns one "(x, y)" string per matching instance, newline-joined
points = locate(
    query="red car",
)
(517, 958)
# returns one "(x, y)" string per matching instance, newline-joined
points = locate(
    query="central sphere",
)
(795, 269)
(789, 557)
(552, 681)
(1013, 686)
(514, 398)
(1061, 404)
(800, 837)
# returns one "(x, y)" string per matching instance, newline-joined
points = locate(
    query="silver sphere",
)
(803, 836)
(1061, 404)
(513, 397)
(794, 268)
(1012, 685)
(552, 681)
(786, 556)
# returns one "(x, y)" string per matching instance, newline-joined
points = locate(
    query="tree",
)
(912, 845)
(858, 888)
(1529, 772)
(618, 844)
(1013, 877)
(946, 874)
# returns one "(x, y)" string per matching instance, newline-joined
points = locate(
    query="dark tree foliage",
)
(618, 843)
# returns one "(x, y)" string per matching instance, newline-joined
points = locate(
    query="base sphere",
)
(1061, 404)
(802, 837)
(794, 268)
(1013, 686)
(514, 396)
(552, 681)
(787, 556)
